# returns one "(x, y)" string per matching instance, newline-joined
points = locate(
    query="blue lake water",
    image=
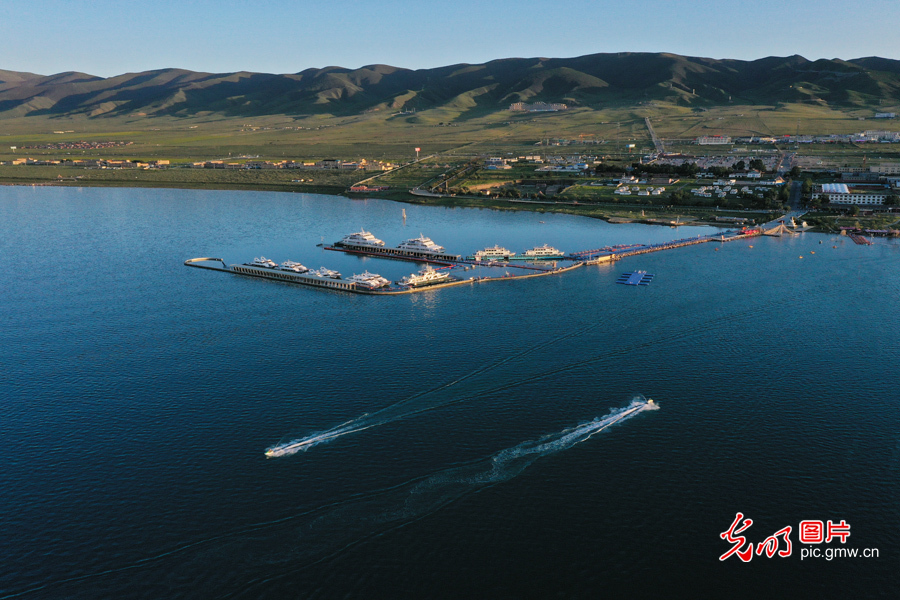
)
(137, 398)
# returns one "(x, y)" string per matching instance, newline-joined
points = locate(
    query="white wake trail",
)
(286, 545)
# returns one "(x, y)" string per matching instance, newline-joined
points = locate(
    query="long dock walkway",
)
(347, 286)
(577, 259)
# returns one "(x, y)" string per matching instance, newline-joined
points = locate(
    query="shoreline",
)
(592, 211)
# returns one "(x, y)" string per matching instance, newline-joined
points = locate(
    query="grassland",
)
(378, 135)
(323, 182)
(451, 136)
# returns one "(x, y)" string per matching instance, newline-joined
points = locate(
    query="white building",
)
(840, 193)
(713, 140)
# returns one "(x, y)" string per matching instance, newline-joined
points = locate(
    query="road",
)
(786, 163)
(660, 148)
(795, 199)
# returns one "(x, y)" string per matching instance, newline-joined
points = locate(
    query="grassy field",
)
(451, 136)
(829, 222)
(326, 182)
(377, 135)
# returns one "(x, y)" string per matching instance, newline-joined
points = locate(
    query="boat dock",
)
(397, 253)
(346, 286)
(578, 259)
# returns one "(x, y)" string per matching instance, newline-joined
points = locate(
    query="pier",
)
(577, 259)
(397, 253)
(346, 286)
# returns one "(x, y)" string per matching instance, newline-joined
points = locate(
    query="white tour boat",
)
(323, 272)
(421, 244)
(426, 276)
(494, 253)
(544, 252)
(262, 261)
(368, 280)
(361, 239)
(290, 265)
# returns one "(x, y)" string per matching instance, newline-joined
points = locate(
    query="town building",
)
(712, 140)
(841, 193)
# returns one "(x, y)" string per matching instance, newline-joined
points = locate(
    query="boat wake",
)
(289, 544)
(404, 408)
(320, 534)
(303, 444)
(418, 403)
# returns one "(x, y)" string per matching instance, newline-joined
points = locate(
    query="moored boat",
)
(421, 244)
(262, 261)
(493, 253)
(367, 280)
(323, 272)
(426, 276)
(545, 252)
(290, 265)
(361, 239)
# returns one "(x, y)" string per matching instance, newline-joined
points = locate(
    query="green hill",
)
(593, 81)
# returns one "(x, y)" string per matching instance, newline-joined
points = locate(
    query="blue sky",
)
(112, 37)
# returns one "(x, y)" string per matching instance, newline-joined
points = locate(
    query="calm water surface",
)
(137, 397)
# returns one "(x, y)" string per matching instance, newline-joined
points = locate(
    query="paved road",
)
(786, 163)
(794, 201)
(660, 148)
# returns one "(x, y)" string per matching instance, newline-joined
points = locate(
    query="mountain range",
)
(593, 81)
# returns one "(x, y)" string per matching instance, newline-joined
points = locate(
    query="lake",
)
(474, 444)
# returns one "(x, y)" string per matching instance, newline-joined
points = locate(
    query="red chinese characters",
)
(812, 532)
(769, 546)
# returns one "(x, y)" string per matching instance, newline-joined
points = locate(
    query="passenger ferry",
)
(421, 244)
(544, 252)
(493, 253)
(290, 265)
(262, 261)
(361, 239)
(426, 276)
(370, 281)
(323, 272)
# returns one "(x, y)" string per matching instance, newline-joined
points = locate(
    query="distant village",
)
(100, 163)
(722, 176)
(863, 137)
